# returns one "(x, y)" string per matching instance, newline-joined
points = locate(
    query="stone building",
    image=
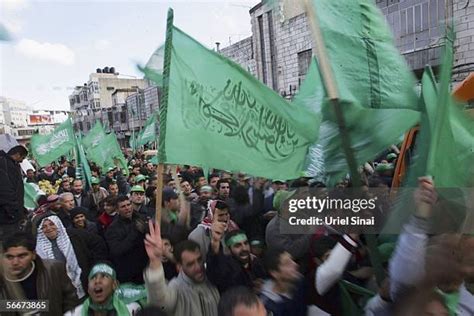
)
(279, 50)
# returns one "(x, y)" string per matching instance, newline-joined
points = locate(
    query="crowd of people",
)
(218, 249)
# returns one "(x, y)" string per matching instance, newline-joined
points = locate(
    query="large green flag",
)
(217, 114)
(376, 88)
(108, 153)
(444, 145)
(148, 134)
(367, 66)
(47, 148)
(451, 152)
(94, 137)
(370, 130)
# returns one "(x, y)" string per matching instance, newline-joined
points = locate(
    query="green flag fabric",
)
(108, 153)
(153, 69)
(84, 164)
(451, 152)
(95, 136)
(47, 148)
(148, 134)
(367, 66)
(219, 115)
(444, 145)
(31, 195)
(371, 130)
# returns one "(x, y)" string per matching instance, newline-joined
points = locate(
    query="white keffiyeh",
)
(44, 249)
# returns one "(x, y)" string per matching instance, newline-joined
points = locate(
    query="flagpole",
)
(329, 82)
(163, 109)
(319, 49)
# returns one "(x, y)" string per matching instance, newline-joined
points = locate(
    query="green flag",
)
(451, 151)
(94, 137)
(108, 154)
(153, 69)
(47, 148)
(370, 130)
(84, 164)
(376, 88)
(31, 195)
(444, 145)
(216, 114)
(367, 66)
(148, 134)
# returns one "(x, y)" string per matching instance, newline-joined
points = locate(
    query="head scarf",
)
(207, 221)
(44, 249)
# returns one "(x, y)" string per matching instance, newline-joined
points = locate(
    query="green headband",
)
(102, 268)
(236, 239)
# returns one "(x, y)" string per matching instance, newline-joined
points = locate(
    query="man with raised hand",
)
(240, 268)
(190, 293)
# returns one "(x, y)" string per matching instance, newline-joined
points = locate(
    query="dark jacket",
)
(52, 284)
(11, 191)
(225, 271)
(127, 249)
(146, 211)
(198, 212)
(280, 305)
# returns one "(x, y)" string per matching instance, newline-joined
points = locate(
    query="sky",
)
(57, 44)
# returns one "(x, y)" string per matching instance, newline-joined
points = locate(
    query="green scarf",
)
(173, 217)
(451, 300)
(114, 303)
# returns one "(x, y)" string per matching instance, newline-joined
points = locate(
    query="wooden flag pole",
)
(163, 114)
(159, 194)
(319, 50)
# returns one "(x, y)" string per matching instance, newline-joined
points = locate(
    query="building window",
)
(111, 118)
(262, 48)
(123, 117)
(304, 60)
(272, 51)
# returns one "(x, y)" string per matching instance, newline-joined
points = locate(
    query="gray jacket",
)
(182, 296)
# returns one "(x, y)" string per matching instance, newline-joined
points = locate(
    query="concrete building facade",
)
(95, 99)
(121, 104)
(279, 50)
(22, 121)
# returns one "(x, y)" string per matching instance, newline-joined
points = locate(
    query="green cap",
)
(391, 156)
(110, 169)
(102, 268)
(280, 197)
(137, 188)
(139, 178)
(381, 167)
(94, 180)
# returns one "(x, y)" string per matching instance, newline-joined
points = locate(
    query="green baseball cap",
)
(102, 268)
(391, 156)
(94, 180)
(110, 169)
(381, 167)
(137, 188)
(140, 177)
(280, 197)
